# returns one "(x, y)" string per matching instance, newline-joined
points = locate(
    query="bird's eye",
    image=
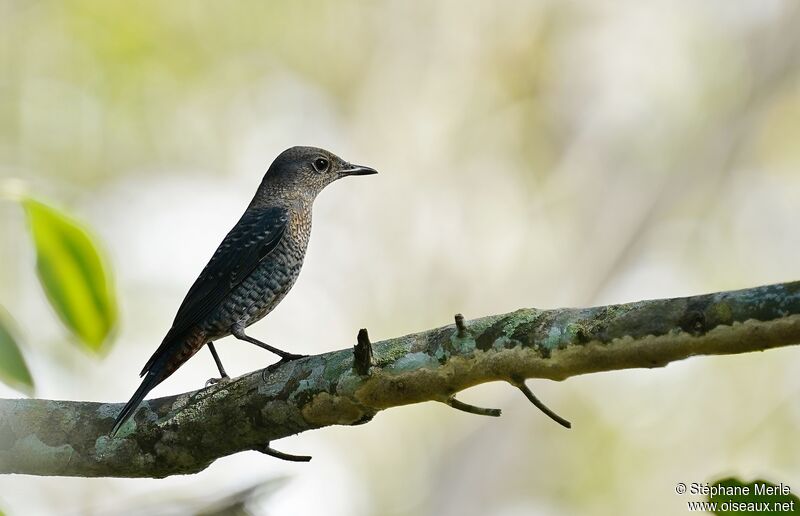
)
(321, 164)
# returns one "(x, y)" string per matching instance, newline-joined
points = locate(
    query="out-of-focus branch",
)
(704, 168)
(185, 433)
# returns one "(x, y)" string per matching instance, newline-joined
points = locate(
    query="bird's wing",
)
(256, 234)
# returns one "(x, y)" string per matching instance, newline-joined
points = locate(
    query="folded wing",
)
(256, 235)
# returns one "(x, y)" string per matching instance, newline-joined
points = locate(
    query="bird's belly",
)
(256, 296)
(260, 302)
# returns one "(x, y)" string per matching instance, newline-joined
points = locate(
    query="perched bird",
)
(252, 269)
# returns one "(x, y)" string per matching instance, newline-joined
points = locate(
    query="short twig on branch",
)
(520, 384)
(362, 353)
(272, 452)
(185, 433)
(472, 409)
(461, 328)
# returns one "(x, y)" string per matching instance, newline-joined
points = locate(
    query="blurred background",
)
(540, 153)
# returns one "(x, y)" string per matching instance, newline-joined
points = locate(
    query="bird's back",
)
(267, 284)
(250, 272)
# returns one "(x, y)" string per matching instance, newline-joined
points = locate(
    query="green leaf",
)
(732, 496)
(73, 274)
(13, 370)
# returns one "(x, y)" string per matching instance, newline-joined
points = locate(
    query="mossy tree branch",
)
(185, 433)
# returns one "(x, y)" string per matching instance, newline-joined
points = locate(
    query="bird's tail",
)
(151, 379)
(170, 356)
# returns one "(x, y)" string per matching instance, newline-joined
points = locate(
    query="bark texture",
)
(185, 433)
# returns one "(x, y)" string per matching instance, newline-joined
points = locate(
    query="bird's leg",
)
(238, 332)
(214, 354)
(223, 375)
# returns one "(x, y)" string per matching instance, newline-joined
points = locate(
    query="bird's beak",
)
(356, 170)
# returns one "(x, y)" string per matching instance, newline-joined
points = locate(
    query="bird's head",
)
(304, 171)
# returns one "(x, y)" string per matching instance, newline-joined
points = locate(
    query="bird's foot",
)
(214, 381)
(288, 357)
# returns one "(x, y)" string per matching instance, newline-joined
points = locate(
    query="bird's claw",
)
(214, 381)
(284, 360)
(288, 357)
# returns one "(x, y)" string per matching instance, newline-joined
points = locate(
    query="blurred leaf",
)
(762, 497)
(73, 274)
(13, 370)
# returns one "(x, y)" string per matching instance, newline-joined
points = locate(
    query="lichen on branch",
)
(185, 433)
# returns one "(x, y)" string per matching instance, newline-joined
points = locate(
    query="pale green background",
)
(531, 154)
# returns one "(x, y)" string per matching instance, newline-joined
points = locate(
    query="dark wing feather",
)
(256, 234)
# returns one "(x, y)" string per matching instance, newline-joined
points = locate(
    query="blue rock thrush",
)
(252, 269)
